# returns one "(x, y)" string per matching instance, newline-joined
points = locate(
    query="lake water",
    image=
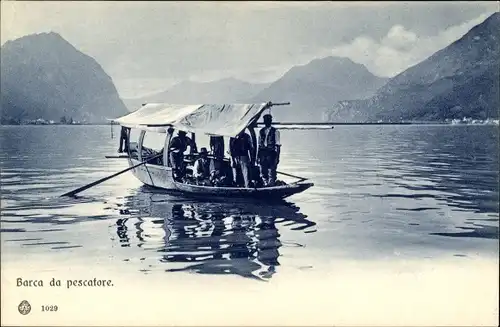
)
(388, 199)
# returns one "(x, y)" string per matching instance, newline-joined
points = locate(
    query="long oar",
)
(290, 175)
(83, 188)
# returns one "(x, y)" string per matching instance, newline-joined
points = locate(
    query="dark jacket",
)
(124, 132)
(240, 145)
(217, 146)
(181, 144)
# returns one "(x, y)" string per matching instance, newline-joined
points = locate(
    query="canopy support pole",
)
(193, 138)
(253, 136)
(166, 148)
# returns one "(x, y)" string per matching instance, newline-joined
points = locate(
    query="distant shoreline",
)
(102, 124)
(299, 123)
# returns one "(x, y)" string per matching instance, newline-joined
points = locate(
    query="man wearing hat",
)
(268, 151)
(178, 145)
(201, 169)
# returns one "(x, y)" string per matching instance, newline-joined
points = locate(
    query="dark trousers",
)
(177, 163)
(123, 144)
(268, 166)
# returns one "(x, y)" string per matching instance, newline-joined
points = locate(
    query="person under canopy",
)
(124, 135)
(178, 145)
(240, 149)
(217, 149)
(217, 146)
(201, 168)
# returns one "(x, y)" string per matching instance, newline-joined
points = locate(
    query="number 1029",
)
(47, 308)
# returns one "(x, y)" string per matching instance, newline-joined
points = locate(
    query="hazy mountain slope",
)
(461, 80)
(222, 91)
(316, 86)
(44, 76)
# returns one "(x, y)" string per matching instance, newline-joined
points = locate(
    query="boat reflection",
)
(212, 237)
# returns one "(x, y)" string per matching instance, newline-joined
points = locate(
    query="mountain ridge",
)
(45, 76)
(293, 86)
(460, 80)
(315, 86)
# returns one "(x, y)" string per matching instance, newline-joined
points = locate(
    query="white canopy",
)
(211, 119)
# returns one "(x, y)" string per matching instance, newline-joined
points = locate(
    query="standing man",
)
(178, 145)
(124, 135)
(240, 148)
(269, 151)
(217, 148)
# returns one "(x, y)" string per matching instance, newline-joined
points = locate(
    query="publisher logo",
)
(24, 307)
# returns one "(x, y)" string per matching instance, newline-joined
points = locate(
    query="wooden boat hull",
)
(161, 177)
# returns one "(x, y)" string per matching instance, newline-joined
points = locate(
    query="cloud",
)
(401, 48)
(256, 41)
(399, 38)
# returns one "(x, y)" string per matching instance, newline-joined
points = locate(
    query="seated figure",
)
(201, 168)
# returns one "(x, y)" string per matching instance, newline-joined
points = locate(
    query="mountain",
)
(44, 76)
(222, 91)
(461, 80)
(313, 88)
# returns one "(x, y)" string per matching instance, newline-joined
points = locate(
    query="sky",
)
(148, 46)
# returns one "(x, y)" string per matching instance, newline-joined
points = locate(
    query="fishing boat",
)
(162, 121)
(226, 120)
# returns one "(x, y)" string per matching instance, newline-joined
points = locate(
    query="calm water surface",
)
(381, 193)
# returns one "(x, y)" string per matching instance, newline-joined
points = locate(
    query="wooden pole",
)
(280, 104)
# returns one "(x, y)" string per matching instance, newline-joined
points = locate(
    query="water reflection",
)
(456, 166)
(476, 230)
(211, 237)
